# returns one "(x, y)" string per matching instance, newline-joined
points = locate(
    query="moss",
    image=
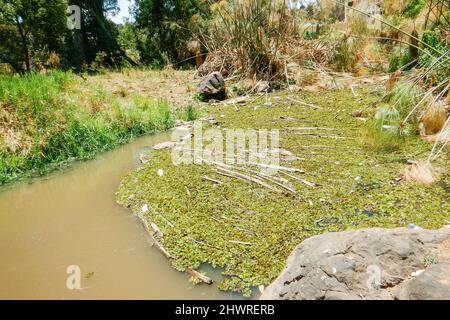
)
(357, 190)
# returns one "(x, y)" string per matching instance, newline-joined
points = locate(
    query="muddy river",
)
(70, 218)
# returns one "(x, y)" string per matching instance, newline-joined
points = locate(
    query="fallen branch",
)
(250, 178)
(203, 243)
(311, 184)
(320, 135)
(157, 230)
(277, 183)
(304, 103)
(199, 276)
(248, 231)
(240, 242)
(269, 166)
(159, 246)
(309, 128)
(212, 180)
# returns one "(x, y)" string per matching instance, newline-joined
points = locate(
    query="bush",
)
(252, 34)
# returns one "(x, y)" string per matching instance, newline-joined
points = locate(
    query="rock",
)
(212, 87)
(164, 145)
(431, 284)
(262, 87)
(366, 264)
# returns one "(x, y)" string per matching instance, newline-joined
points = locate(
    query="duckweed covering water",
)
(249, 230)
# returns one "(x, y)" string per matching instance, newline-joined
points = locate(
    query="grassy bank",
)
(49, 120)
(248, 229)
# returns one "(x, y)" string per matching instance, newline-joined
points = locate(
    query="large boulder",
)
(368, 264)
(212, 87)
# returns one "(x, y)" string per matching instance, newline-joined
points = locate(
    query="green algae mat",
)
(347, 181)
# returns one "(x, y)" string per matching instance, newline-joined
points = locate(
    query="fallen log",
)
(199, 276)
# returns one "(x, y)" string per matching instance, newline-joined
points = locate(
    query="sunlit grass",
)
(48, 120)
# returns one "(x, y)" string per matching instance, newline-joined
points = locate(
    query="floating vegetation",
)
(248, 229)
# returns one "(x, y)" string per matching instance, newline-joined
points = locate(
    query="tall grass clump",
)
(382, 133)
(46, 122)
(250, 35)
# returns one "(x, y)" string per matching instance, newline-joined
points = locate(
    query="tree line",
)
(34, 34)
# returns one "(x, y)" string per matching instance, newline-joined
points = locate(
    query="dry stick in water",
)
(203, 243)
(240, 242)
(159, 246)
(277, 183)
(239, 175)
(275, 167)
(304, 103)
(199, 276)
(311, 184)
(212, 180)
(309, 128)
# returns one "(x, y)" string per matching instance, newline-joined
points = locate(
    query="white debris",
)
(417, 273)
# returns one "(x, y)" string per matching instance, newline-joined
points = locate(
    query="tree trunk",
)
(26, 52)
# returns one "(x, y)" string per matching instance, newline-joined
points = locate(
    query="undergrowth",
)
(49, 120)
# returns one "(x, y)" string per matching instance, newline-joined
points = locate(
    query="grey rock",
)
(432, 284)
(262, 86)
(212, 87)
(366, 264)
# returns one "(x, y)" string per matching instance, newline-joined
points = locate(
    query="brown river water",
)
(71, 217)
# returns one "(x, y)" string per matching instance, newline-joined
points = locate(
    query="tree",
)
(166, 26)
(98, 34)
(30, 30)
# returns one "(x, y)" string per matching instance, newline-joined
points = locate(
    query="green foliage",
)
(428, 57)
(98, 34)
(30, 30)
(413, 8)
(165, 27)
(191, 113)
(398, 58)
(44, 123)
(405, 95)
(346, 52)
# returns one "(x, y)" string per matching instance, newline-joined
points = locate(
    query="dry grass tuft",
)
(433, 119)
(422, 172)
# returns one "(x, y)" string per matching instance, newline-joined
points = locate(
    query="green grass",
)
(49, 120)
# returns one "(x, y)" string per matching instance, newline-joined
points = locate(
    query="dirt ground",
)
(175, 86)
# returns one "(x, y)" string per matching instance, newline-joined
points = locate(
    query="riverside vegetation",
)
(49, 120)
(361, 100)
(248, 230)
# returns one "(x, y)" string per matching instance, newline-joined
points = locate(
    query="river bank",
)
(49, 120)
